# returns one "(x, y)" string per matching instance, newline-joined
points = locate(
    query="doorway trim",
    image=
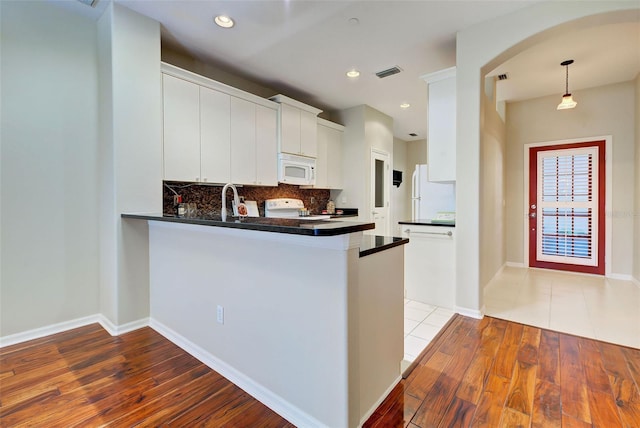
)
(387, 186)
(608, 222)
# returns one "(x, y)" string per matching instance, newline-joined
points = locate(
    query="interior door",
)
(380, 183)
(566, 207)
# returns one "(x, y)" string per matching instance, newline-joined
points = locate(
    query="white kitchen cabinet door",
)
(215, 136)
(322, 164)
(334, 159)
(442, 130)
(329, 159)
(289, 129)
(181, 129)
(430, 265)
(243, 141)
(308, 134)
(266, 146)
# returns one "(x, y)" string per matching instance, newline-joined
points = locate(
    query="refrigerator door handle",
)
(415, 191)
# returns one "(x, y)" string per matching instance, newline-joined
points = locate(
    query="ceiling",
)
(303, 48)
(603, 54)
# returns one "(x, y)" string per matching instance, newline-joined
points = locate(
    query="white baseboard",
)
(636, 281)
(117, 330)
(473, 313)
(259, 392)
(379, 401)
(37, 333)
(515, 265)
(621, 276)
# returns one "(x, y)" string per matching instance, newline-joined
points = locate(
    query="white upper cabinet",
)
(289, 129)
(266, 146)
(297, 131)
(329, 159)
(215, 136)
(441, 139)
(181, 114)
(215, 133)
(254, 156)
(243, 141)
(308, 134)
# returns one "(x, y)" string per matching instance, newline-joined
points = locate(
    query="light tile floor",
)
(585, 305)
(421, 323)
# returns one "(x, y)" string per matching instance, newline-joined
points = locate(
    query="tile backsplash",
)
(207, 197)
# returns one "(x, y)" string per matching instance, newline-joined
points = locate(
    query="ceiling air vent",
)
(413, 134)
(91, 3)
(389, 72)
(503, 76)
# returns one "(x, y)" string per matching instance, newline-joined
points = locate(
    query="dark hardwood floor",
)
(489, 372)
(87, 378)
(495, 373)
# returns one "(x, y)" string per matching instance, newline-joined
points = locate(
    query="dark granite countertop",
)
(278, 225)
(375, 243)
(429, 222)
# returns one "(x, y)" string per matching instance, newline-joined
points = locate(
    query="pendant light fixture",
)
(567, 100)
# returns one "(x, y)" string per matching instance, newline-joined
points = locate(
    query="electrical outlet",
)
(343, 200)
(313, 200)
(220, 315)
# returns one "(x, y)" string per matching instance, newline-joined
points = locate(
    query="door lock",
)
(532, 215)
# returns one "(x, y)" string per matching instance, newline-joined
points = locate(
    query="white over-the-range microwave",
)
(299, 170)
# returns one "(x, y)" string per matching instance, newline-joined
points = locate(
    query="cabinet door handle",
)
(449, 233)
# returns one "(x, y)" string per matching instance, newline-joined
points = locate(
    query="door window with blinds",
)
(566, 207)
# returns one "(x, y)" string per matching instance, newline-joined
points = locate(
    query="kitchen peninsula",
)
(307, 316)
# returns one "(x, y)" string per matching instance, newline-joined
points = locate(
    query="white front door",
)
(380, 184)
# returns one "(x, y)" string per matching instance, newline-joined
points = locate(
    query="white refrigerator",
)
(429, 198)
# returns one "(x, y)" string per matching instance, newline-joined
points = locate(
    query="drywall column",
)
(354, 172)
(636, 226)
(130, 160)
(492, 185)
(365, 129)
(480, 46)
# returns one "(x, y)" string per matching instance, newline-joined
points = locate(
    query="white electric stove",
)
(288, 208)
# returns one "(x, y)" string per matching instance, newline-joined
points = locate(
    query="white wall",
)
(636, 239)
(400, 196)
(49, 259)
(130, 158)
(417, 153)
(606, 110)
(270, 298)
(492, 185)
(478, 50)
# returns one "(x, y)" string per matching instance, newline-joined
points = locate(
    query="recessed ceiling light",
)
(354, 21)
(353, 73)
(224, 21)
(405, 106)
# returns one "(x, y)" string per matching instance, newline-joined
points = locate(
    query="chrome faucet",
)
(236, 199)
